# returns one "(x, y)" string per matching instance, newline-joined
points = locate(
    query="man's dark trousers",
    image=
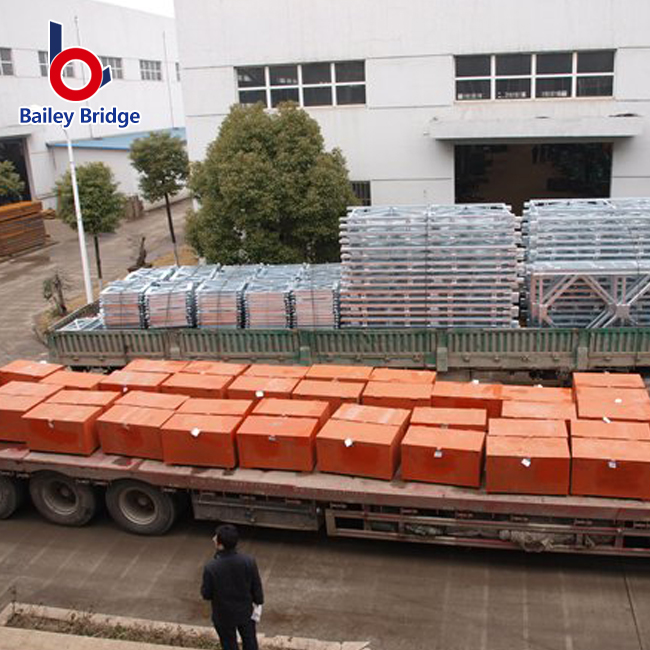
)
(228, 635)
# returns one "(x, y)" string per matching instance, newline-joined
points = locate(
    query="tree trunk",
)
(98, 259)
(171, 227)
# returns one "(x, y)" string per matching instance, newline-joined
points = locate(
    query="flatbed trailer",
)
(145, 497)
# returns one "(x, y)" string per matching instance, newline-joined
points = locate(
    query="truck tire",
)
(12, 496)
(62, 500)
(141, 508)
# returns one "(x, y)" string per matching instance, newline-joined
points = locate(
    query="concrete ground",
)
(21, 278)
(397, 596)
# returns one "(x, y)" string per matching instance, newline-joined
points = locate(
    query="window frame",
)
(43, 62)
(151, 70)
(115, 63)
(7, 61)
(363, 191)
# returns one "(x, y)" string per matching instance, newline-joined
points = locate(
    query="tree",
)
(162, 161)
(11, 185)
(269, 191)
(102, 206)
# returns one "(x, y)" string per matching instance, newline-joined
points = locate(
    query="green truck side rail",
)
(442, 349)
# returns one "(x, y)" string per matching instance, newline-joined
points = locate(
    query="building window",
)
(308, 84)
(361, 190)
(68, 71)
(43, 62)
(544, 75)
(115, 64)
(6, 62)
(178, 71)
(150, 70)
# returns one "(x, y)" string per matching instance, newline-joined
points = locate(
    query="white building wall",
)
(107, 30)
(409, 48)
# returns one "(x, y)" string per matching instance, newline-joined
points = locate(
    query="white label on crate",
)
(612, 464)
(618, 400)
(606, 420)
(43, 361)
(538, 386)
(195, 432)
(259, 393)
(50, 424)
(526, 462)
(348, 442)
(272, 438)
(475, 381)
(438, 453)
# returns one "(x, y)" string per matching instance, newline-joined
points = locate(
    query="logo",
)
(59, 58)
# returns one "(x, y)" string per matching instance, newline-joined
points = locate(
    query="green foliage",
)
(11, 185)
(102, 206)
(162, 162)
(269, 191)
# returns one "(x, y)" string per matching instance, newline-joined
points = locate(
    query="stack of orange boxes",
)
(538, 403)
(450, 418)
(451, 394)
(23, 370)
(149, 400)
(397, 394)
(260, 381)
(73, 380)
(126, 380)
(195, 385)
(102, 398)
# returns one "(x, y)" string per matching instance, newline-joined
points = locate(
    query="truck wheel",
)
(141, 508)
(62, 500)
(12, 496)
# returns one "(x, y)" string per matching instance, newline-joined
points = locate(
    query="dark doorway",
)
(519, 172)
(13, 149)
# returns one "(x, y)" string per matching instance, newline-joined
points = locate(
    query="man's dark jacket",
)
(232, 582)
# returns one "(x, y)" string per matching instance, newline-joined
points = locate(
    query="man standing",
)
(232, 582)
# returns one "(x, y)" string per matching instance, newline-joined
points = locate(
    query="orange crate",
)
(332, 372)
(451, 394)
(74, 380)
(123, 381)
(610, 468)
(62, 428)
(132, 431)
(450, 418)
(23, 370)
(208, 386)
(610, 430)
(29, 389)
(202, 406)
(245, 387)
(359, 449)
(607, 380)
(283, 443)
(165, 366)
(451, 457)
(101, 398)
(215, 368)
(12, 408)
(334, 392)
(152, 400)
(403, 376)
(295, 408)
(396, 395)
(539, 410)
(614, 403)
(206, 440)
(536, 393)
(527, 465)
(373, 415)
(521, 428)
(288, 372)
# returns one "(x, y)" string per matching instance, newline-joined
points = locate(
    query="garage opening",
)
(13, 149)
(514, 173)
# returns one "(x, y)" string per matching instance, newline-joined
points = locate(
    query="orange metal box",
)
(610, 430)
(333, 372)
(295, 408)
(132, 431)
(123, 381)
(607, 380)
(208, 386)
(528, 428)
(334, 392)
(166, 366)
(245, 387)
(12, 408)
(74, 380)
(152, 400)
(527, 465)
(285, 443)
(611, 468)
(359, 449)
(450, 418)
(536, 393)
(451, 394)
(215, 368)
(63, 428)
(396, 395)
(618, 395)
(23, 370)
(101, 398)
(448, 456)
(539, 410)
(373, 415)
(402, 376)
(207, 440)
(29, 389)
(202, 406)
(614, 403)
(288, 372)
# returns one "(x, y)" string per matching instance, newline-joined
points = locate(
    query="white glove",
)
(257, 613)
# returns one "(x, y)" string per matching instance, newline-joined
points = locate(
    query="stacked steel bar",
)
(170, 304)
(430, 266)
(588, 262)
(268, 299)
(121, 304)
(316, 296)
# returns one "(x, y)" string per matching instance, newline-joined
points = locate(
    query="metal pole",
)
(168, 78)
(80, 224)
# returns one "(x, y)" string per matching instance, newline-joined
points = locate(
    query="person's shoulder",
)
(211, 564)
(248, 559)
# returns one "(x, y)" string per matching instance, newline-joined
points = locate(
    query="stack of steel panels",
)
(430, 266)
(268, 299)
(316, 296)
(121, 304)
(83, 325)
(170, 304)
(588, 262)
